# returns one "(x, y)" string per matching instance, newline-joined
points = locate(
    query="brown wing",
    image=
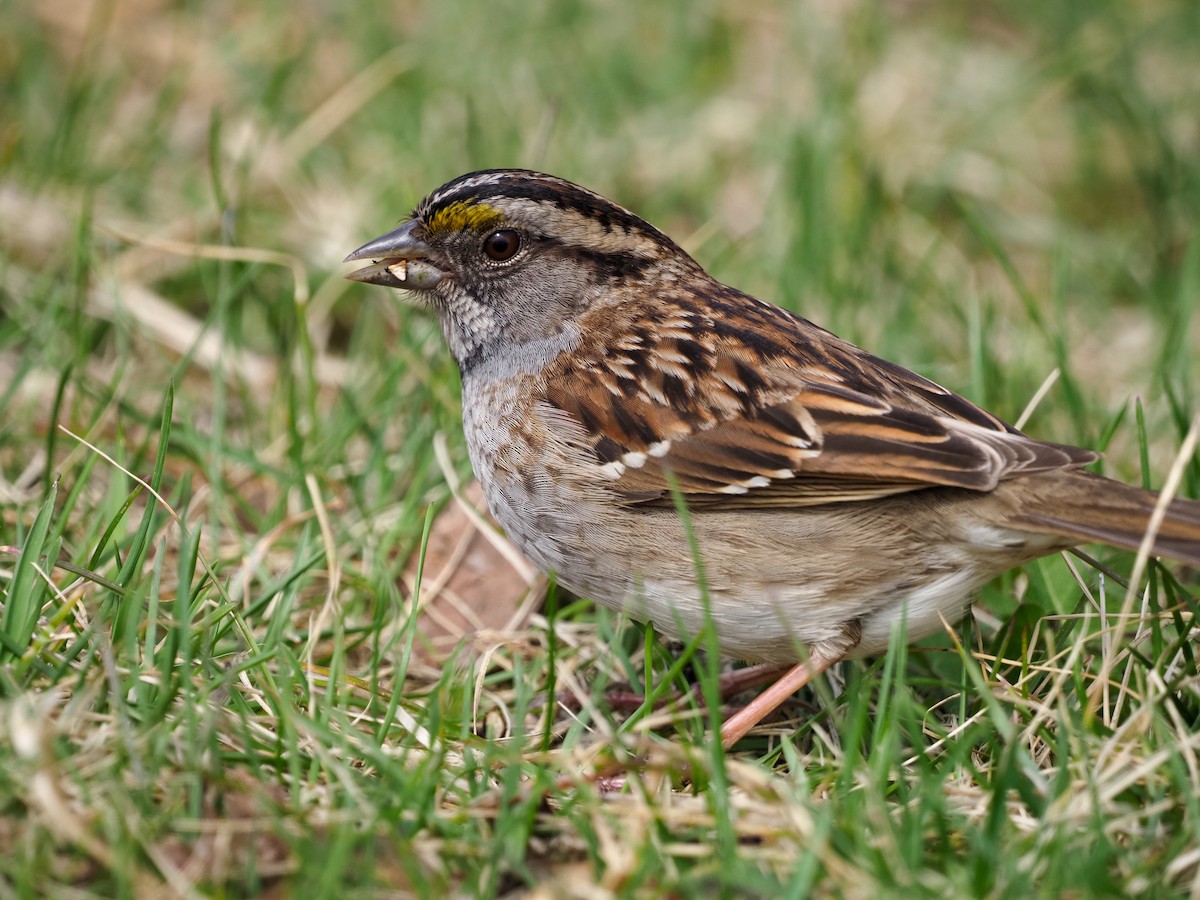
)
(769, 410)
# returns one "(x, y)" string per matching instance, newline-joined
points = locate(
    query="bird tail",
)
(1092, 508)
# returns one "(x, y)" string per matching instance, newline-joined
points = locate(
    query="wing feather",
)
(769, 410)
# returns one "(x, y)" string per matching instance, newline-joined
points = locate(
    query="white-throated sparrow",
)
(832, 493)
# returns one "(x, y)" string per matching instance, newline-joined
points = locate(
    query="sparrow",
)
(608, 380)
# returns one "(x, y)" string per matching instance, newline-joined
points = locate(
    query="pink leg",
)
(729, 685)
(737, 725)
(733, 683)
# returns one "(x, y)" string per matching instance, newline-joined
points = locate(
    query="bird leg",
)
(734, 682)
(730, 684)
(820, 658)
(788, 680)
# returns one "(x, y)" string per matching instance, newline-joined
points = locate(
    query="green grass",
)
(216, 465)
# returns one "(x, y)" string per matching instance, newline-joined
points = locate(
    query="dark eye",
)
(502, 245)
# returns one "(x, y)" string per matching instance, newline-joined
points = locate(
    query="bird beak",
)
(401, 261)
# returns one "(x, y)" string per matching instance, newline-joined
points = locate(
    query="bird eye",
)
(502, 245)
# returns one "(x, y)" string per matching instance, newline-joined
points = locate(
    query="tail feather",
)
(1091, 508)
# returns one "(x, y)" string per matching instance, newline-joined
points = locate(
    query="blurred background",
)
(989, 193)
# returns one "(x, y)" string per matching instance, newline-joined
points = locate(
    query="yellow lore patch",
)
(463, 215)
